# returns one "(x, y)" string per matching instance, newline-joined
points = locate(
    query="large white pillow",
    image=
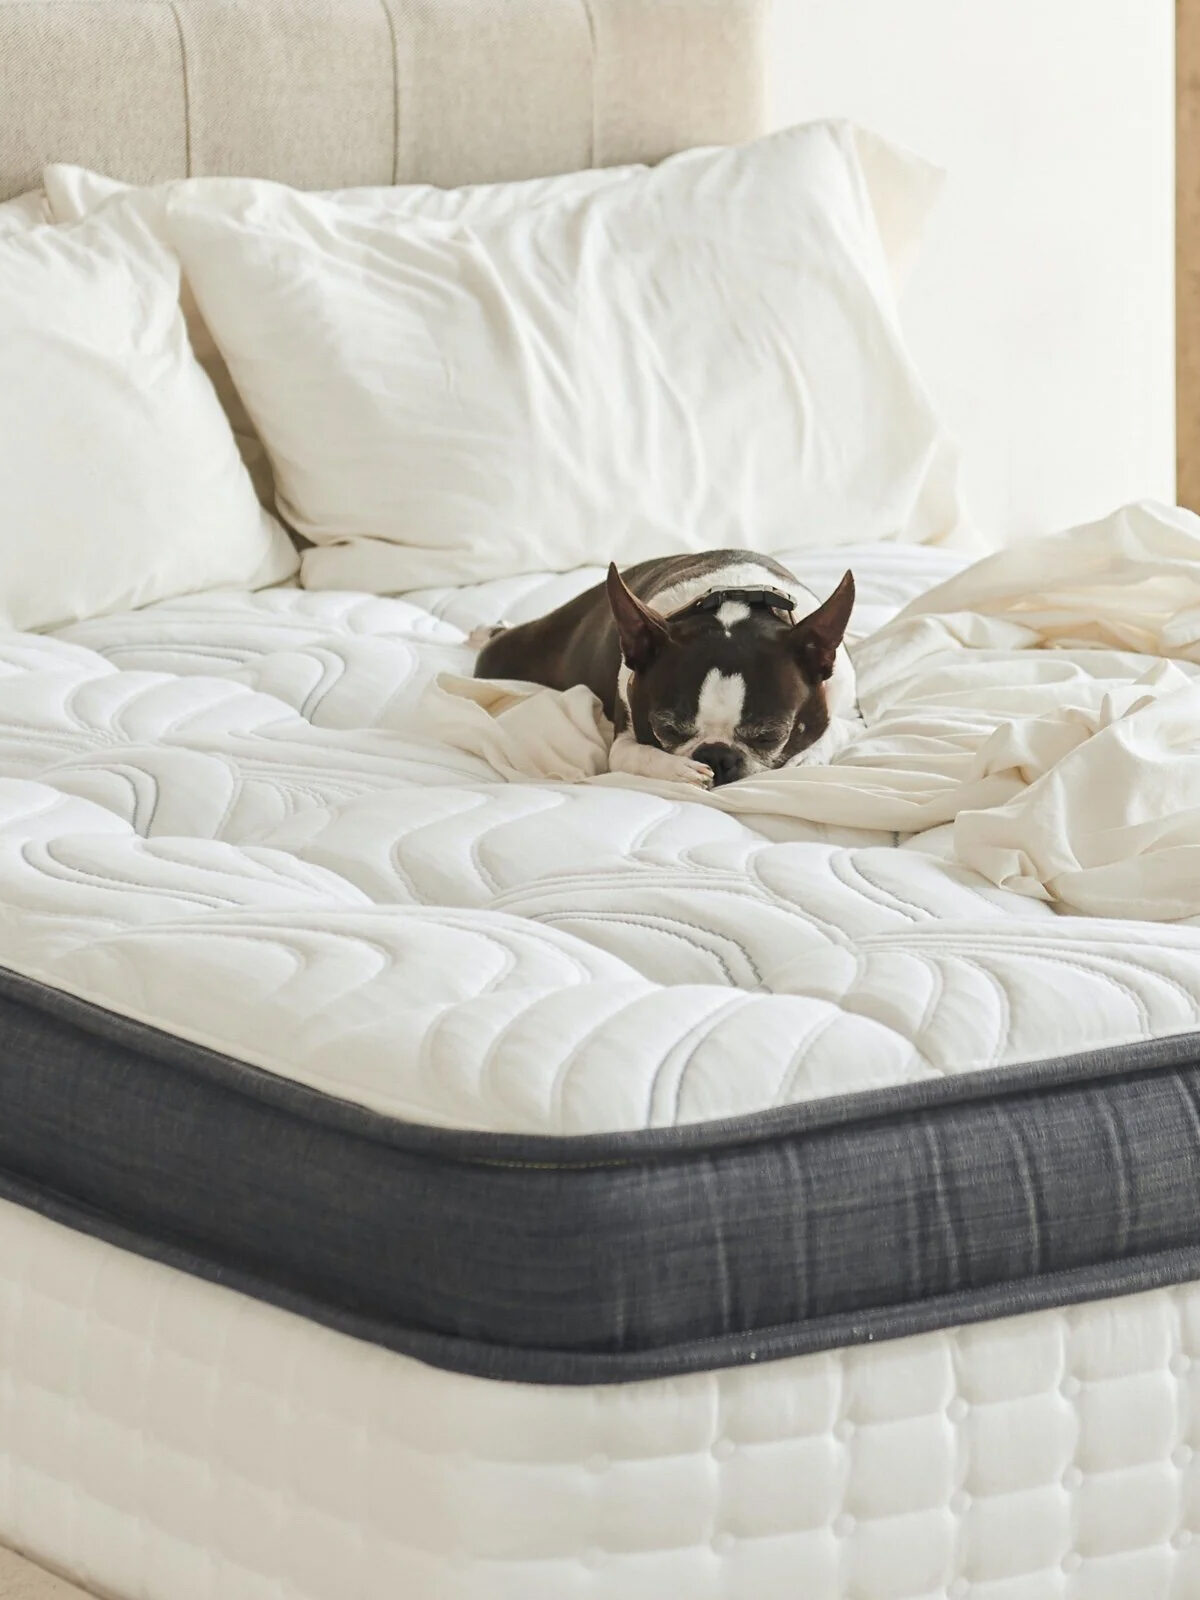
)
(705, 354)
(119, 479)
(901, 187)
(72, 193)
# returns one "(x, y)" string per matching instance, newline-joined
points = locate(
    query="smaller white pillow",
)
(120, 482)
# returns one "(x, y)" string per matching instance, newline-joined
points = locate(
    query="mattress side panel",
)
(643, 1264)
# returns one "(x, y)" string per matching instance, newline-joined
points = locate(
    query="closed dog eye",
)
(668, 731)
(764, 736)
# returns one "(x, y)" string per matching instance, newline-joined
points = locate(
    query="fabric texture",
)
(121, 483)
(73, 193)
(27, 211)
(371, 91)
(168, 1438)
(901, 187)
(223, 815)
(706, 355)
(1045, 702)
(603, 1260)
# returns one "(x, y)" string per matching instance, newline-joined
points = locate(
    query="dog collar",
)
(767, 599)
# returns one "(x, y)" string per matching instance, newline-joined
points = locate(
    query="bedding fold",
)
(1046, 701)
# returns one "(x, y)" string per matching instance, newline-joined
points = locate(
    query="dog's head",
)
(741, 688)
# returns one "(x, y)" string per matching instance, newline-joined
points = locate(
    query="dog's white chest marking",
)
(719, 709)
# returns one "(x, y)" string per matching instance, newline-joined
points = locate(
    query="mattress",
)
(554, 1090)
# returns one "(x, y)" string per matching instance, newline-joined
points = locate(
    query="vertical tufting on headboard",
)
(329, 93)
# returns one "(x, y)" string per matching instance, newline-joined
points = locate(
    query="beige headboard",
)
(332, 93)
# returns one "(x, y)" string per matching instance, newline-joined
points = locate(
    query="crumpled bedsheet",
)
(1045, 701)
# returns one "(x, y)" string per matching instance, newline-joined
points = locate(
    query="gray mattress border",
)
(613, 1257)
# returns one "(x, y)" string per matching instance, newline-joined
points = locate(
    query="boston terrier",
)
(711, 667)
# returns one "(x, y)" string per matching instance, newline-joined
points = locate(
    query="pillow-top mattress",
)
(556, 1083)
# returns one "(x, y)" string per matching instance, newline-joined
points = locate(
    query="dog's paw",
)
(693, 772)
(647, 761)
(478, 637)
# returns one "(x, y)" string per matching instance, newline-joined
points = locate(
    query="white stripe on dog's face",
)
(732, 611)
(719, 709)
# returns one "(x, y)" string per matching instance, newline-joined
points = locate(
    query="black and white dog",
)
(711, 667)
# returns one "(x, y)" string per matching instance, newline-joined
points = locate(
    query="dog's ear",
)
(642, 632)
(816, 637)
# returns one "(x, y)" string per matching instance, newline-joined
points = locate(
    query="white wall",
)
(1042, 311)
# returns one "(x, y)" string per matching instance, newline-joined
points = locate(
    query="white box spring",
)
(162, 1438)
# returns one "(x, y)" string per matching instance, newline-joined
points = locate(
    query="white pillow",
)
(27, 211)
(902, 189)
(705, 354)
(73, 193)
(119, 479)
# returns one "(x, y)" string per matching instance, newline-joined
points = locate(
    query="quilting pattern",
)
(217, 815)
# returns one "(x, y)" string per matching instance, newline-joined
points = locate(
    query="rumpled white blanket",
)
(1046, 701)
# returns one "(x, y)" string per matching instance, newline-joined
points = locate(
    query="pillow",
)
(119, 477)
(705, 354)
(902, 189)
(27, 211)
(73, 193)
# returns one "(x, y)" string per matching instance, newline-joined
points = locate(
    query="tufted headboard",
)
(334, 93)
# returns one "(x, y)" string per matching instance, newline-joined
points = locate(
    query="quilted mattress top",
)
(218, 816)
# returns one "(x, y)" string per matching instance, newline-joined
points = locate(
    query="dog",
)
(711, 667)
